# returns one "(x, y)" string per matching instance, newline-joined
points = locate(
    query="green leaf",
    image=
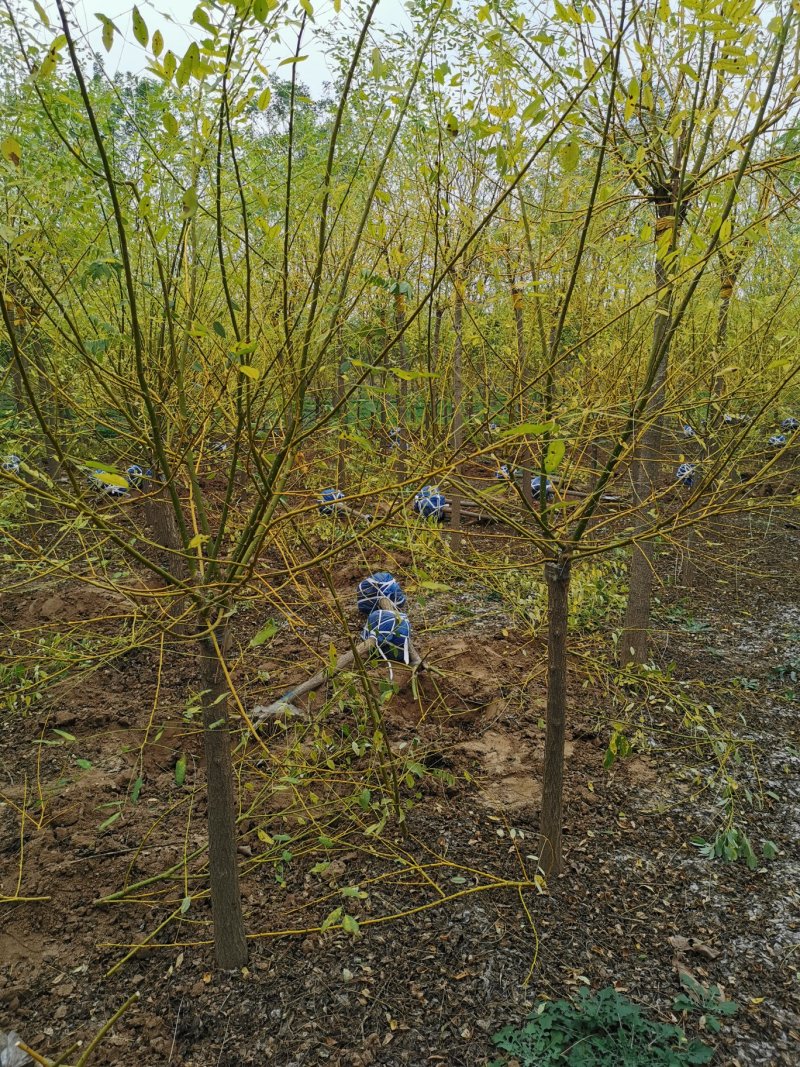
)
(108, 822)
(84, 764)
(108, 31)
(570, 154)
(170, 123)
(140, 31)
(331, 919)
(528, 429)
(250, 372)
(264, 97)
(555, 453)
(266, 633)
(136, 791)
(189, 202)
(292, 59)
(64, 734)
(769, 849)
(180, 770)
(157, 43)
(410, 375)
(187, 64)
(186, 903)
(350, 925)
(170, 64)
(40, 11)
(306, 6)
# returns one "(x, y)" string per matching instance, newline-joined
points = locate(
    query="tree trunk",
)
(161, 517)
(432, 417)
(402, 407)
(458, 415)
(557, 576)
(522, 364)
(522, 355)
(340, 395)
(230, 943)
(646, 465)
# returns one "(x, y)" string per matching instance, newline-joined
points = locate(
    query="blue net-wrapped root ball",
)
(536, 488)
(778, 440)
(138, 475)
(429, 503)
(503, 474)
(378, 585)
(12, 463)
(329, 501)
(392, 634)
(790, 425)
(685, 475)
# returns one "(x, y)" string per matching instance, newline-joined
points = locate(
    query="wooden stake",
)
(362, 650)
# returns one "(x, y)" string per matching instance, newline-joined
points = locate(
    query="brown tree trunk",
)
(160, 516)
(432, 418)
(458, 415)
(230, 943)
(634, 642)
(557, 576)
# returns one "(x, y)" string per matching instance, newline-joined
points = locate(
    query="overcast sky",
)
(172, 18)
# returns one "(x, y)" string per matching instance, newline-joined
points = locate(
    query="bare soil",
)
(449, 947)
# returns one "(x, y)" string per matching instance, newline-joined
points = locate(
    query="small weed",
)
(708, 1001)
(602, 1030)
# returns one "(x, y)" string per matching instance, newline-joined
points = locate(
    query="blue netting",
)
(219, 446)
(430, 503)
(329, 498)
(12, 463)
(504, 474)
(380, 584)
(536, 488)
(137, 475)
(391, 632)
(791, 424)
(688, 431)
(685, 474)
(777, 440)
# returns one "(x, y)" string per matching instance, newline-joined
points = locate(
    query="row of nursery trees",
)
(553, 234)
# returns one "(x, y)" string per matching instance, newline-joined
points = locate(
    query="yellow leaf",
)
(198, 540)
(157, 43)
(140, 31)
(251, 372)
(11, 150)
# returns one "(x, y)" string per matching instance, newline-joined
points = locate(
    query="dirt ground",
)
(454, 938)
